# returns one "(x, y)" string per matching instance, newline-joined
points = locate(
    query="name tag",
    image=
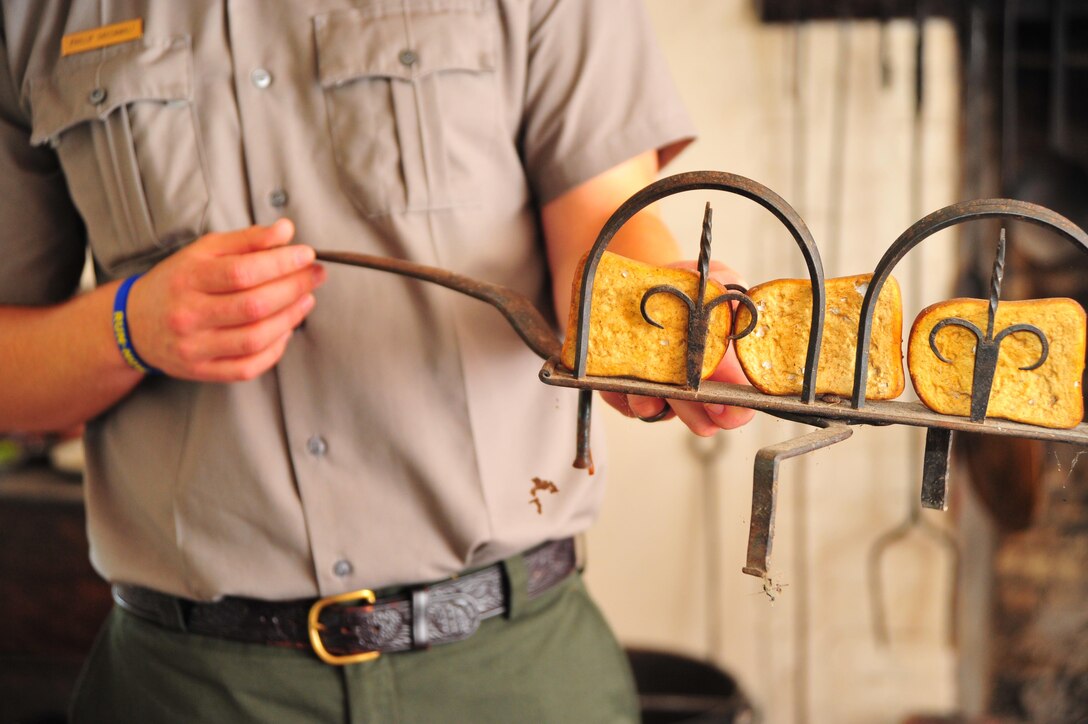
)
(102, 37)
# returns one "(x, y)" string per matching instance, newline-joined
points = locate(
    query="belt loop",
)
(516, 581)
(581, 552)
(182, 610)
(421, 635)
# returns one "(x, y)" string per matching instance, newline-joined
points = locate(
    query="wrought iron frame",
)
(832, 415)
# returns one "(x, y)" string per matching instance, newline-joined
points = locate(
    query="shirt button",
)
(317, 446)
(261, 78)
(342, 568)
(96, 96)
(408, 57)
(278, 198)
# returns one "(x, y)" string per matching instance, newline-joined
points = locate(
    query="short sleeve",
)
(598, 93)
(42, 240)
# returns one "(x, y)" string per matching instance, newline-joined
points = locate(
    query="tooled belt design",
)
(440, 613)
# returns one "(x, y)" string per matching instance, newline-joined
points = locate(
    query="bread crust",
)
(622, 343)
(773, 355)
(1050, 396)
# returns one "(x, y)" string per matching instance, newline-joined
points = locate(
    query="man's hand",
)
(223, 308)
(702, 419)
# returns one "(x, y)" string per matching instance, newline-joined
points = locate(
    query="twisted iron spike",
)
(995, 293)
(704, 252)
(988, 346)
(995, 284)
(699, 315)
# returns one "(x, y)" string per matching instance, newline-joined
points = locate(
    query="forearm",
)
(573, 221)
(221, 309)
(644, 238)
(60, 365)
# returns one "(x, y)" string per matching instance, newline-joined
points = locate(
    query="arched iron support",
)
(929, 225)
(712, 181)
(988, 344)
(670, 186)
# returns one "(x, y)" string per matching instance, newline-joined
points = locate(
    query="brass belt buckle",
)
(316, 627)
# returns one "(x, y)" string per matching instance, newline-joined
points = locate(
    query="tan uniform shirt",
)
(397, 439)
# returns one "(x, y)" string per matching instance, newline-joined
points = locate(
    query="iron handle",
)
(521, 313)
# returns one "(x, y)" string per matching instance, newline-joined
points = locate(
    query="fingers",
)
(247, 340)
(255, 304)
(694, 415)
(702, 419)
(245, 259)
(236, 369)
(727, 417)
(645, 407)
(729, 369)
(618, 401)
(724, 416)
(224, 307)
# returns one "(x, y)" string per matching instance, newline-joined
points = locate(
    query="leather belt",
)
(354, 627)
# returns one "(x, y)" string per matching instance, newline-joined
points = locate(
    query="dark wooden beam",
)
(777, 11)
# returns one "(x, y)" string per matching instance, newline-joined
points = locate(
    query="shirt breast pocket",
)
(411, 99)
(123, 124)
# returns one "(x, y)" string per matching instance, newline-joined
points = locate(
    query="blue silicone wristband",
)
(120, 329)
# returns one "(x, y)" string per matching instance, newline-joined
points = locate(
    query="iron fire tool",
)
(832, 415)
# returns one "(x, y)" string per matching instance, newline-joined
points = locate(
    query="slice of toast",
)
(1049, 396)
(773, 354)
(622, 343)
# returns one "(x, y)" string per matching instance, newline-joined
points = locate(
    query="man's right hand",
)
(223, 308)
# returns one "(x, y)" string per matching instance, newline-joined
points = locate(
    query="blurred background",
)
(865, 115)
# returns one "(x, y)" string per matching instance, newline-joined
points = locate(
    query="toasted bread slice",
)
(622, 343)
(773, 354)
(1049, 396)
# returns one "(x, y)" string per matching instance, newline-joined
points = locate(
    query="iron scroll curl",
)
(926, 227)
(712, 181)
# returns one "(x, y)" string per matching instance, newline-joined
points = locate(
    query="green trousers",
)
(550, 659)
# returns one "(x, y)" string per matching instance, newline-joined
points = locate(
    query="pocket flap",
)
(88, 88)
(366, 43)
